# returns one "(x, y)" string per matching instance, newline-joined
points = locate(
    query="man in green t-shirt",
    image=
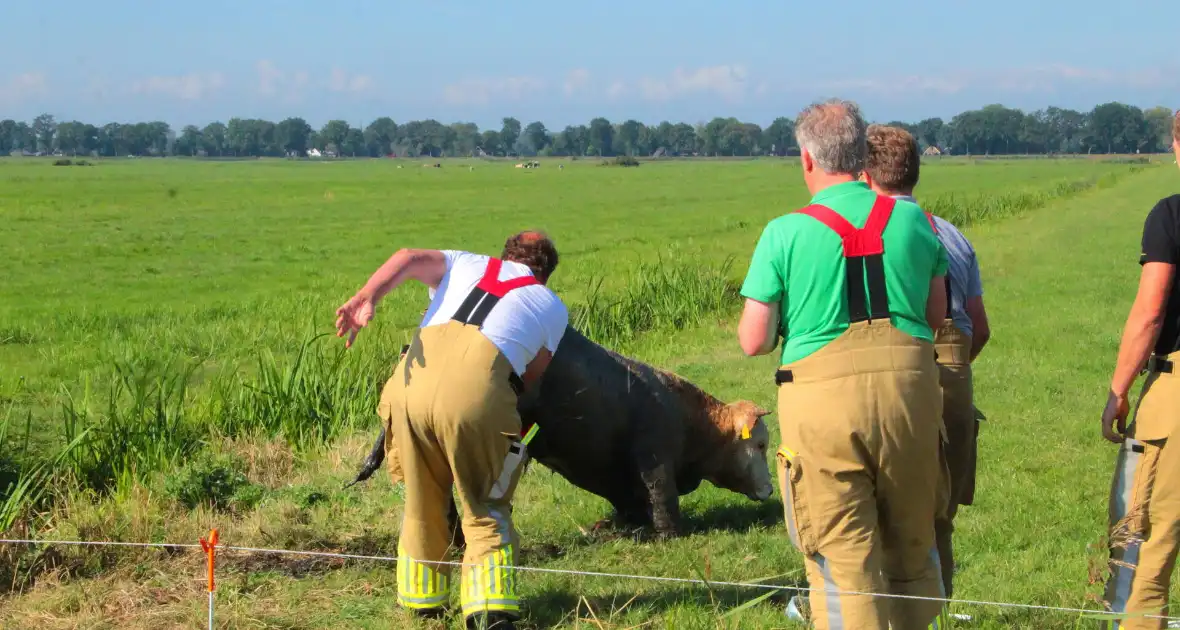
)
(858, 280)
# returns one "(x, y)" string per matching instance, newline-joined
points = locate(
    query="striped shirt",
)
(963, 269)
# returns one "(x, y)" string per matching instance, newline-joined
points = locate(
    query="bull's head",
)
(743, 467)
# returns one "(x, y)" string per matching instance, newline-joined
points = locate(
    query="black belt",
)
(1159, 364)
(514, 380)
(783, 376)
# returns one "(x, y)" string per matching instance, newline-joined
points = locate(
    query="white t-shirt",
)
(523, 321)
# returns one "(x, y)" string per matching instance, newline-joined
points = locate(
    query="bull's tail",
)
(372, 462)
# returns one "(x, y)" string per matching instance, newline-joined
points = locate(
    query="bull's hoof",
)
(666, 531)
(666, 534)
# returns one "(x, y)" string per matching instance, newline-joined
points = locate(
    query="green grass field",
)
(152, 311)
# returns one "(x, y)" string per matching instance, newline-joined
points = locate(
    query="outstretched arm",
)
(425, 265)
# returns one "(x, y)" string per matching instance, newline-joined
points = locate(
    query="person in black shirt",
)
(1144, 506)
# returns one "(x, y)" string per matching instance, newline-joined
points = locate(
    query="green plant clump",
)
(218, 481)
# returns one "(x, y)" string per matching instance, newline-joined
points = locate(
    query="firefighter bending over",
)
(450, 408)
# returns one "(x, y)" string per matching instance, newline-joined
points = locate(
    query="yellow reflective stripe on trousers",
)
(418, 585)
(491, 585)
(528, 437)
(941, 622)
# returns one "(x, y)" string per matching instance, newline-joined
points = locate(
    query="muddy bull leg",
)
(660, 487)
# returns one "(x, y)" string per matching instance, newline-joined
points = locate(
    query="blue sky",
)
(566, 62)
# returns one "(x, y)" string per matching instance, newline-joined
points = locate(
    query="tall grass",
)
(658, 296)
(143, 427)
(311, 400)
(23, 489)
(964, 210)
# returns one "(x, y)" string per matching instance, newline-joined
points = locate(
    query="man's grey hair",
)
(834, 133)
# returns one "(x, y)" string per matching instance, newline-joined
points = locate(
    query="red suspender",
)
(863, 252)
(492, 284)
(484, 296)
(488, 292)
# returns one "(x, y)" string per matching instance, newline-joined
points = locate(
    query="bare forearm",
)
(981, 330)
(388, 276)
(978, 341)
(1139, 336)
(936, 303)
(977, 345)
(758, 328)
(424, 265)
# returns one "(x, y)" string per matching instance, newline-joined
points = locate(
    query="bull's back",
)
(583, 413)
(602, 402)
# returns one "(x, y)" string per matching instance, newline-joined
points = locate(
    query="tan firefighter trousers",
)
(452, 415)
(859, 470)
(1145, 506)
(958, 418)
(392, 463)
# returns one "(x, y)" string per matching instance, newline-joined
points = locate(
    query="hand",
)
(1116, 409)
(353, 316)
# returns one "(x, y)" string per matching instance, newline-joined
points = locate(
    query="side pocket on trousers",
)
(790, 475)
(1153, 415)
(505, 486)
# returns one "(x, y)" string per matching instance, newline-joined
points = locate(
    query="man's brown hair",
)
(1176, 127)
(893, 158)
(533, 249)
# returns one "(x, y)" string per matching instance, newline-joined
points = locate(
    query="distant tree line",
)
(992, 130)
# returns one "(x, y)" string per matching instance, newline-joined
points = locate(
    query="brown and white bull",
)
(635, 435)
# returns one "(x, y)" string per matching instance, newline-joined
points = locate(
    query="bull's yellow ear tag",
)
(745, 432)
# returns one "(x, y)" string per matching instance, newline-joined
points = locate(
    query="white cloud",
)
(23, 87)
(576, 81)
(616, 90)
(484, 91)
(269, 77)
(726, 81)
(291, 86)
(275, 83)
(894, 86)
(188, 87)
(341, 81)
(300, 80)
